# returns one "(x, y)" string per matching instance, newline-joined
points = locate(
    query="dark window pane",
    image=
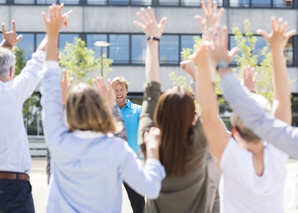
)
(169, 49)
(119, 2)
(289, 52)
(282, 3)
(46, 1)
(196, 2)
(63, 38)
(138, 49)
(187, 42)
(97, 2)
(39, 38)
(69, 1)
(168, 2)
(260, 44)
(141, 2)
(92, 38)
(119, 48)
(261, 3)
(239, 3)
(27, 44)
(24, 1)
(2, 1)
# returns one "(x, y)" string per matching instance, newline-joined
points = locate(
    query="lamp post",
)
(101, 44)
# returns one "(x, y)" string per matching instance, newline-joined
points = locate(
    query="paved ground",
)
(39, 184)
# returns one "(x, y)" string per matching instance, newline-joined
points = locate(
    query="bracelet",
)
(5, 43)
(152, 38)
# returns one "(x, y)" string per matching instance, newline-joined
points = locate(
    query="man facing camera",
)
(130, 113)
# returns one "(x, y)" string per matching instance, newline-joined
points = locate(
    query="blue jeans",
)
(15, 196)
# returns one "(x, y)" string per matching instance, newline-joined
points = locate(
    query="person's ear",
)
(11, 72)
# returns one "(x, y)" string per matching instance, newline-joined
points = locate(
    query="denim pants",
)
(16, 197)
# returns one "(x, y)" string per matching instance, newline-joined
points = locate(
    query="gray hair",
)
(7, 60)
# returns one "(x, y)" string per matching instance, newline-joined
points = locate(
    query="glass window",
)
(69, 1)
(97, 2)
(239, 3)
(169, 2)
(119, 2)
(282, 3)
(260, 44)
(119, 48)
(27, 44)
(2, 1)
(92, 38)
(187, 42)
(24, 1)
(46, 1)
(141, 2)
(261, 3)
(138, 49)
(169, 49)
(63, 38)
(39, 38)
(289, 52)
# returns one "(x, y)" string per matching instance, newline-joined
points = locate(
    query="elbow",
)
(153, 192)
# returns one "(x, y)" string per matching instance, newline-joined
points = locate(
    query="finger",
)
(19, 38)
(64, 75)
(110, 84)
(284, 30)
(145, 14)
(273, 22)
(244, 73)
(70, 82)
(3, 28)
(263, 33)
(279, 26)
(204, 8)
(142, 18)
(44, 16)
(200, 19)
(224, 36)
(214, 7)
(290, 33)
(61, 6)
(162, 22)
(233, 52)
(14, 26)
(51, 11)
(209, 7)
(255, 77)
(151, 13)
(139, 25)
(220, 13)
(57, 11)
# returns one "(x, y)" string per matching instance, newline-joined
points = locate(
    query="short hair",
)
(87, 110)
(244, 132)
(120, 80)
(7, 60)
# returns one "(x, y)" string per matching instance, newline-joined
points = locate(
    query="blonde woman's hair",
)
(86, 110)
(244, 132)
(120, 80)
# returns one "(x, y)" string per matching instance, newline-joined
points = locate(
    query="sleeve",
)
(262, 123)
(151, 96)
(145, 181)
(27, 80)
(52, 107)
(117, 115)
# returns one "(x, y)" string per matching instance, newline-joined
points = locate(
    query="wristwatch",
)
(222, 65)
(152, 38)
(5, 43)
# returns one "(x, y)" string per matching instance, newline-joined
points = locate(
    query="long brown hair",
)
(174, 114)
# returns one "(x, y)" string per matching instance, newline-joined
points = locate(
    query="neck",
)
(5, 79)
(122, 105)
(256, 148)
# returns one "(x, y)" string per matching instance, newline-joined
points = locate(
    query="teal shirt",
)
(130, 114)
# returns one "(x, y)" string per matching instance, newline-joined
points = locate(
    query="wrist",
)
(152, 38)
(6, 44)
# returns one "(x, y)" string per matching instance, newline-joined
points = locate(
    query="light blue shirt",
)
(262, 123)
(88, 168)
(131, 114)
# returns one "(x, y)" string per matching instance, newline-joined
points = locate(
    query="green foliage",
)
(79, 61)
(20, 59)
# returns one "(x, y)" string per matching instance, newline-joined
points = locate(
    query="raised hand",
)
(106, 91)
(211, 15)
(250, 78)
(278, 37)
(65, 86)
(149, 24)
(151, 139)
(11, 36)
(189, 67)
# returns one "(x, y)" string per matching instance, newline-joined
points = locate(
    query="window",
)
(187, 42)
(138, 49)
(169, 49)
(169, 2)
(261, 3)
(282, 3)
(27, 44)
(2, 1)
(289, 52)
(119, 48)
(46, 1)
(39, 38)
(24, 1)
(67, 2)
(97, 2)
(141, 2)
(239, 3)
(92, 38)
(63, 38)
(119, 2)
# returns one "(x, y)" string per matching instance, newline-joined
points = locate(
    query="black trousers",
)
(137, 201)
(16, 197)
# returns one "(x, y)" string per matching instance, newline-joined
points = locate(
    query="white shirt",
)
(241, 190)
(14, 147)
(88, 168)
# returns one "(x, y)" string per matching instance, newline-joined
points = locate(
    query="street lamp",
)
(101, 44)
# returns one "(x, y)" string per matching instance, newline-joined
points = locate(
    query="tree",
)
(80, 62)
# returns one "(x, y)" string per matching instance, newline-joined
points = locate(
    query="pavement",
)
(39, 186)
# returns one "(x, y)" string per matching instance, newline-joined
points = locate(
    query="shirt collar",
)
(87, 134)
(128, 104)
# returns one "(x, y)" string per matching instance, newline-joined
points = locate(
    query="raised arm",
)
(277, 39)
(153, 31)
(250, 78)
(10, 38)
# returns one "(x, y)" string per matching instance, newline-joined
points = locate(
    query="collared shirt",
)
(88, 168)
(131, 114)
(262, 123)
(14, 147)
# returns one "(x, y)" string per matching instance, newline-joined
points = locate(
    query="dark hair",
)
(174, 114)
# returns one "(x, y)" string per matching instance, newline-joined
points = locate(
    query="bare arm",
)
(10, 38)
(277, 40)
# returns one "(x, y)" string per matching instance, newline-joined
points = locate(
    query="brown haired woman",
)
(183, 148)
